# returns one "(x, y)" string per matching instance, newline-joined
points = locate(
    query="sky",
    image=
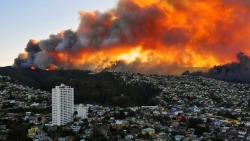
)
(22, 20)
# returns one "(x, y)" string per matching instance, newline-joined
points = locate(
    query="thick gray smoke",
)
(172, 35)
(98, 30)
(23, 61)
(232, 72)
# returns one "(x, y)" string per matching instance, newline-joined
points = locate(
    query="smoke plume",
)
(148, 36)
(233, 72)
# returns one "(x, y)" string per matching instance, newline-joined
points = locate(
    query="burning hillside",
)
(147, 36)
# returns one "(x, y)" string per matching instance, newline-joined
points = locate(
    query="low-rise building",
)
(150, 131)
(32, 131)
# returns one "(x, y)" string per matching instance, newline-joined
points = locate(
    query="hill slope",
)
(130, 89)
(97, 88)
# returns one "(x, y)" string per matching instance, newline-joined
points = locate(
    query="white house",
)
(82, 111)
(194, 109)
(75, 128)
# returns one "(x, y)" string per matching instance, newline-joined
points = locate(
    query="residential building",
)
(119, 124)
(75, 128)
(82, 111)
(150, 131)
(194, 109)
(62, 105)
(32, 131)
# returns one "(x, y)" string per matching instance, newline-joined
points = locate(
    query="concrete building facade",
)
(62, 105)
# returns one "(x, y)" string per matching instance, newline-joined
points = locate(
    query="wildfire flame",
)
(148, 36)
(33, 68)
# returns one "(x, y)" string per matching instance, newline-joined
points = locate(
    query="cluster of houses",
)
(186, 109)
(16, 101)
(158, 123)
(183, 91)
(14, 95)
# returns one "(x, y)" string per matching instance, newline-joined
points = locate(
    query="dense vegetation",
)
(99, 88)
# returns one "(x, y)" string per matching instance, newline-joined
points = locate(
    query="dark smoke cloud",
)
(32, 47)
(220, 26)
(23, 61)
(70, 42)
(176, 36)
(97, 30)
(51, 43)
(245, 3)
(232, 72)
(133, 25)
(43, 60)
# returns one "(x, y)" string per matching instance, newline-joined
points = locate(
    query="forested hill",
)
(106, 88)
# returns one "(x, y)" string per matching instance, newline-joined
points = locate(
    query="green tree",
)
(75, 114)
(39, 119)
(19, 132)
(200, 130)
(76, 138)
(248, 104)
(96, 134)
(147, 136)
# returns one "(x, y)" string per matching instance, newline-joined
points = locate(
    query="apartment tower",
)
(62, 105)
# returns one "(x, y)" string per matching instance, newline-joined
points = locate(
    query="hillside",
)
(15, 95)
(97, 88)
(130, 89)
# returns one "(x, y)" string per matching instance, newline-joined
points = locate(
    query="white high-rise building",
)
(62, 105)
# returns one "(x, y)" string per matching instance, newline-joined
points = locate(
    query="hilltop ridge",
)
(135, 89)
